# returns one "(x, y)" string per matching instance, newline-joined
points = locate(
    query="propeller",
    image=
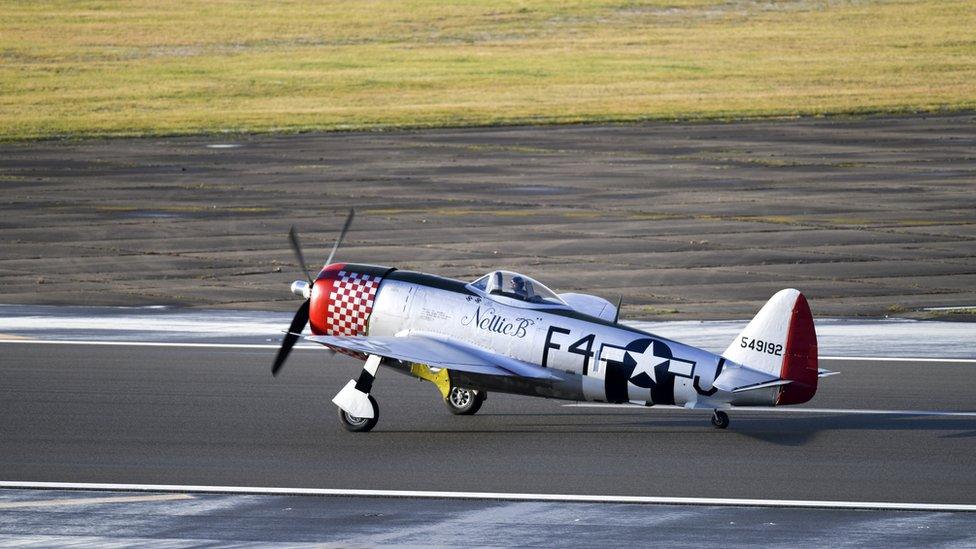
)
(342, 234)
(616, 315)
(300, 320)
(296, 246)
(297, 325)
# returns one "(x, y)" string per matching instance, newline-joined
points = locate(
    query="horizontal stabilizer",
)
(824, 373)
(735, 377)
(774, 383)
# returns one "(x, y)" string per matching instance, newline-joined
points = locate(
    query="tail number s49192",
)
(761, 346)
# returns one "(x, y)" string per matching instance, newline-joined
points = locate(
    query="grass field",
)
(150, 67)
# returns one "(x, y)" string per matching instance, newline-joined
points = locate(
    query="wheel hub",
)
(355, 420)
(460, 397)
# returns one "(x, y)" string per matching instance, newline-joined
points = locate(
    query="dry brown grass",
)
(147, 67)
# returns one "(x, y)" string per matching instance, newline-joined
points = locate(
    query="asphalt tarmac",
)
(205, 416)
(868, 216)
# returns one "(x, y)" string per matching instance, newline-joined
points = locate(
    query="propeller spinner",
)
(300, 287)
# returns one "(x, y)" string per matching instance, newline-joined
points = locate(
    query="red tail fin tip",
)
(800, 356)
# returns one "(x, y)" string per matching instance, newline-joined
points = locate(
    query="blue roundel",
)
(645, 364)
(659, 356)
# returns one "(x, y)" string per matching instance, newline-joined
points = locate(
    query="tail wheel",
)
(360, 424)
(720, 419)
(465, 402)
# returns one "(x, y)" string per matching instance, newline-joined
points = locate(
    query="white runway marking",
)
(782, 410)
(276, 345)
(90, 501)
(569, 498)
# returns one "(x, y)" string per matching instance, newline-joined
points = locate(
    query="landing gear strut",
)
(464, 402)
(720, 419)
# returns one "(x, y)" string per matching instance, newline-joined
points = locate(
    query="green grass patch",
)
(78, 68)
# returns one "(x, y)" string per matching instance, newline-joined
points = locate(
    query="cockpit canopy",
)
(517, 286)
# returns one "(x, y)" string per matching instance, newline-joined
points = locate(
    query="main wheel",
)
(720, 419)
(465, 402)
(360, 424)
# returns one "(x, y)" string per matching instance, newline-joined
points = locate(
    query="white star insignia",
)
(646, 362)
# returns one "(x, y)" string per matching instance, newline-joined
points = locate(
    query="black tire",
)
(464, 402)
(720, 419)
(360, 424)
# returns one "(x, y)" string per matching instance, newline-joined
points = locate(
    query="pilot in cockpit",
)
(516, 286)
(519, 289)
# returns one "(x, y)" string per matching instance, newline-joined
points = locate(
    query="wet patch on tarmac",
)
(896, 338)
(868, 216)
(61, 518)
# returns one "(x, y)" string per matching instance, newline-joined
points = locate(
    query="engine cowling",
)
(342, 298)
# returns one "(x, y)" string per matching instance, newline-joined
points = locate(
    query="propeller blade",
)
(297, 325)
(342, 234)
(301, 316)
(296, 247)
(616, 316)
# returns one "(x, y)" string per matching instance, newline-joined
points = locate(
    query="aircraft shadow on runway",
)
(784, 431)
(796, 431)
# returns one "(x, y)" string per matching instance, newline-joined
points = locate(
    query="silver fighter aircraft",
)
(507, 332)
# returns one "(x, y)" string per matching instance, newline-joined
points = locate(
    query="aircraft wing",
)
(436, 352)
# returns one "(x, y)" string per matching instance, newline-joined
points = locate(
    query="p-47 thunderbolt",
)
(506, 332)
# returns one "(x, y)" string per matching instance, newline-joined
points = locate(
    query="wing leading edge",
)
(436, 352)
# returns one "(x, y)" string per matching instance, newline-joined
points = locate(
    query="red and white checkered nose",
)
(342, 300)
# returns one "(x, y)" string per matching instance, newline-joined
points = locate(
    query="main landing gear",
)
(358, 411)
(720, 419)
(464, 402)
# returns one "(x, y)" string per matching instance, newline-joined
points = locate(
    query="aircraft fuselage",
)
(595, 360)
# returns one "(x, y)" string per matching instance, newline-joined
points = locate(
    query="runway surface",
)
(216, 417)
(181, 397)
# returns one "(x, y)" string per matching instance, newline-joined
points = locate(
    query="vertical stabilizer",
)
(781, 341)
